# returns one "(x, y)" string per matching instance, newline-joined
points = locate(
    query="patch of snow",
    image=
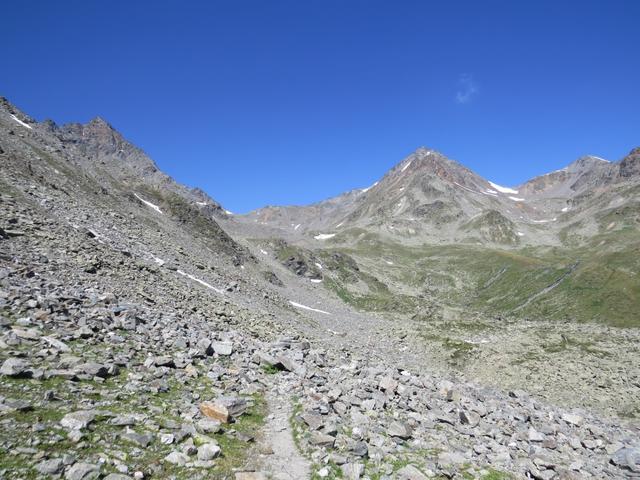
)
(544, 221)
(202, 204)
(503, 189)
(365, 190)
(517, 199)
(159, 261)
(228, 212)
(263, 252)
(406, 165)
(490, 191)
(316, 280)
(304, 307)
(565, 209)
(319, 265)
(339, 225)
(201, 282)
(149, 204)
(592, 156)
(520, 234)
(297, 226)
(21, 122)
(388, 262)
(477, 342)
(324, 236)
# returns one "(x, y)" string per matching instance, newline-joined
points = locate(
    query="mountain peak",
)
(99, 123)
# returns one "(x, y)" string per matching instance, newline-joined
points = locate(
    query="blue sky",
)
(290, 102)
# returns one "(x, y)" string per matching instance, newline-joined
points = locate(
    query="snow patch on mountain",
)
(201, 282)
(21, 122)
(502, 189)
(324, 236)
(365, 190)
(149, 204)
(304, 307)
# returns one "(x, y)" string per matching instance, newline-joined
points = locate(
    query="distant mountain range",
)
(430, 198)
(429, 238)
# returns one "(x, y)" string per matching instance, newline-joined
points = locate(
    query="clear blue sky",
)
(289, 102)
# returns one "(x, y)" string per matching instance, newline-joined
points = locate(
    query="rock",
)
(313, 420)
(164, 361)
(223, 348)
(204, 347)
(94, 369)
(352, 471)
(49, 467)
(409, 472)
(78, 420)
(469, 418)
(142, 440)
(208, 425)
(176, 458)
(117, 476)
(208, 451)
(400, 430)
(15, 367)
(224, 408)
(535, 436)
(572, 419)
(321, 439)
(57, 344)
(83, 471)
(388, 384)
(627, 459)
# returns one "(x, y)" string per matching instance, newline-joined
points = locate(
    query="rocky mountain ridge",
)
(430, 198)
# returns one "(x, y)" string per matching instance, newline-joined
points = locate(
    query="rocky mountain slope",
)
(144, 333)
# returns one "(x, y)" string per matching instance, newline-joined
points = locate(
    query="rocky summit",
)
(434, 325)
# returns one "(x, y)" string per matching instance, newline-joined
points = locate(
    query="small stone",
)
(208, 425)
(400, 430)
(223, 348)
(15, 367)
(572, 419)
(352, 471)
(83, 471)
(321, 439)
(388, 384)
(224, 408)
(176, 458)
(469, 418)
(409, 472)
(78, 420)
(164, 361)
(49, 467)
(208, 451)
(535, 436)
(142, 440)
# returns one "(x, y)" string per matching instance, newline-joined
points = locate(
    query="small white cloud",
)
(467, 88)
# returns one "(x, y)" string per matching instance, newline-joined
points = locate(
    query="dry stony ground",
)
(116, 366)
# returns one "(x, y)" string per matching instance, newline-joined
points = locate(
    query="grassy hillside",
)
(599, 282)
